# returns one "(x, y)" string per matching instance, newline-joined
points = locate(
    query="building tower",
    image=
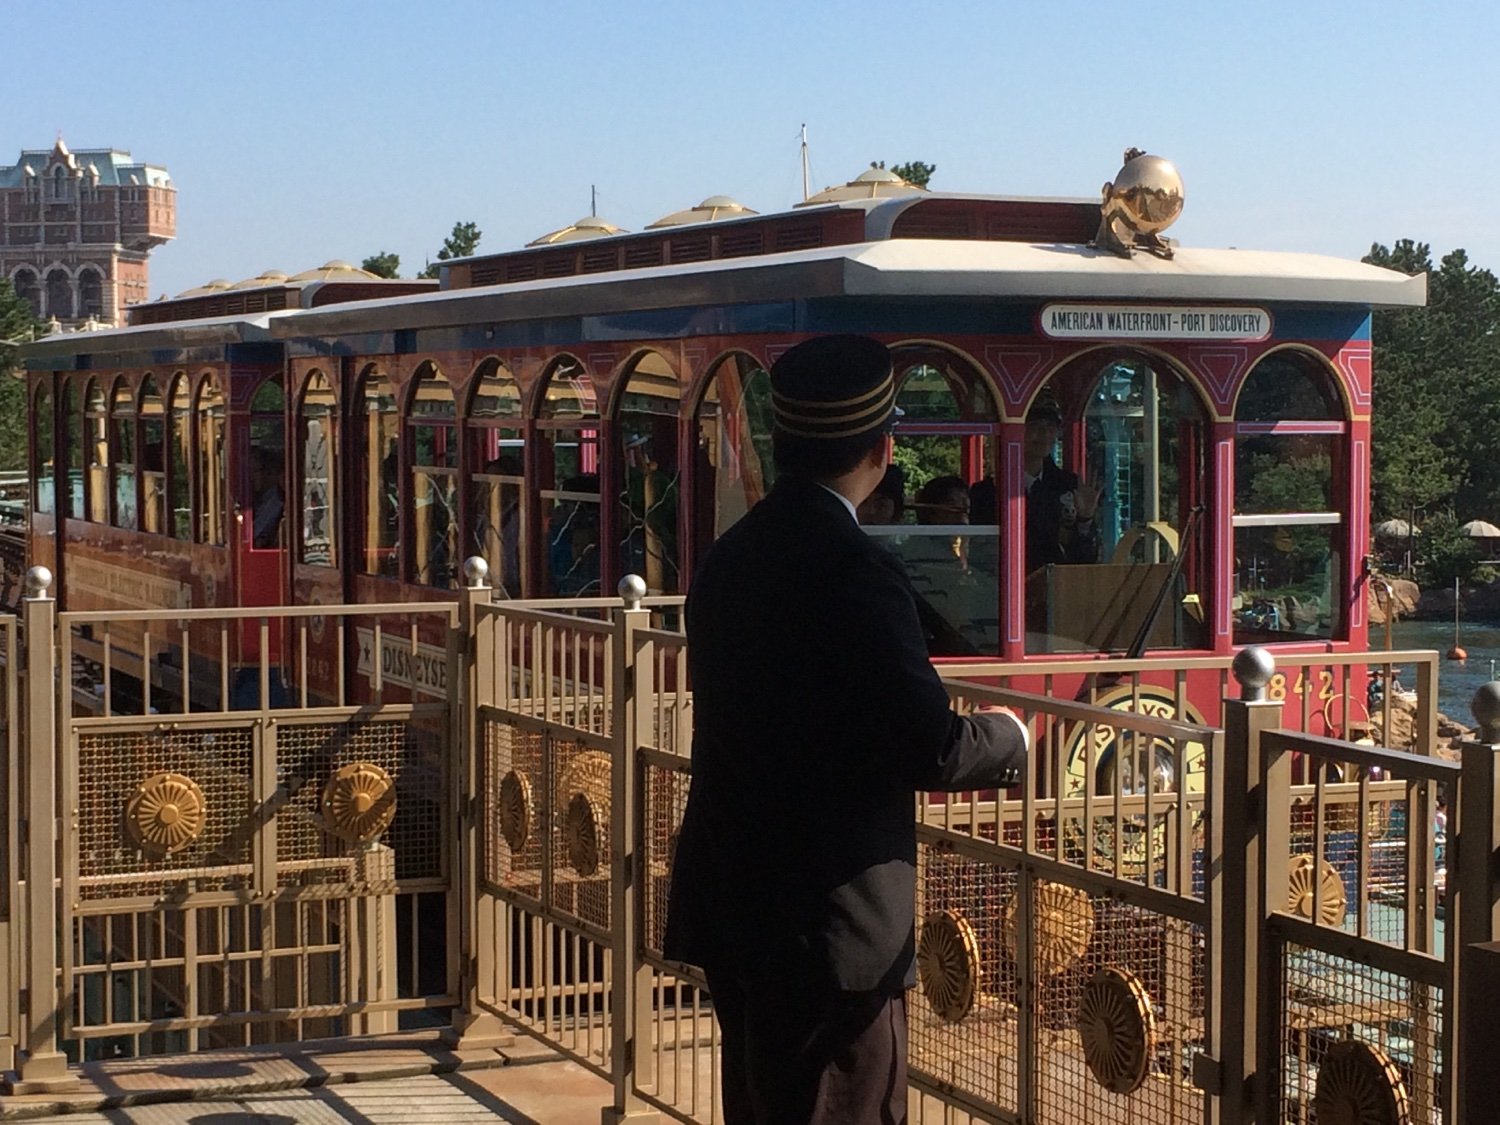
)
(76, 227)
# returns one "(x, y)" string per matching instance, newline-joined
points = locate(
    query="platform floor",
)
(387, 1080)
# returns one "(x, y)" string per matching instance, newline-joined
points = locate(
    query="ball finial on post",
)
(632, 589)
(1253, 668)
(1486, 709)
(476, 570)
(38, 582)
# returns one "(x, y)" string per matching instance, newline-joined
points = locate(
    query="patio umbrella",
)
(1479, 529)
(1393, 529)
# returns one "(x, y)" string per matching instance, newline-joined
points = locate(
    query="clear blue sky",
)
(301, 131)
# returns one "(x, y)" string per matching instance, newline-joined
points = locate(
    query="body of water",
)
(1457, 682)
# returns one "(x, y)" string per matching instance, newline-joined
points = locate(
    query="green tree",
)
(914, 172)
(460, 244)
(18, 324)
(1446, 553)
(1437, 388)
(383, 264)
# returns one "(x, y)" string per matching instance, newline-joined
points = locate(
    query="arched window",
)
(96, 437)
(73, 434)
(153, 459)
(317, 432)
(123, 460)
(937, 508)
(59, 294)
(1288, 521)
(180, 459)
(568, 425)
(733, 468)
(30, 289)
(44, 467)
(213, 476)
(649, 479)
(267, 464)
(497, 492)
(1114, 478)
(90, 293)
(379, 468)
(432, 420)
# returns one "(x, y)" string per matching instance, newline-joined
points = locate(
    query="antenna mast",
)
(806, 191)
(594, 200)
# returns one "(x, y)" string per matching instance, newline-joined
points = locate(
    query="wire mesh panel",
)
(964, 1018)
(516, 816)
(163, 810)
(582, 848)
(663, 793)
(398, 766)
(1119, 1009)
(1355, 1037)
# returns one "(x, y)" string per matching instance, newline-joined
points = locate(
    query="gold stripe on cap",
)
(879, 389)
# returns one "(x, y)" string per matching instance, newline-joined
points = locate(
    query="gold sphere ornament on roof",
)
(1062, 922)
(515, 810)
(359, 802)
(1118, 1030)
(1145, 198)
(1302, 874)
(167, 813)
(1359, 1085)
(948, 965)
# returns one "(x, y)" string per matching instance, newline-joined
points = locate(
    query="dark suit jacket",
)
(816, 715)
(1047, 539)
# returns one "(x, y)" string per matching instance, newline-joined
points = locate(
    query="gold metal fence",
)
(363, 814)
(272, 865)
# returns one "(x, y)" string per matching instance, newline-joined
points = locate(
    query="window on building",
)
(497, 492)
(568, 425)
(44, 467)
(213, 476)
(122, 468)
(96, 437)
(317, 431)
(153, 459)
(59, 295)
(180, 459)
(1288, 521)
(73, 434)
(90, 293)
(379, 474)
(649, 480)
(30, 289)
(734, 469)
(432, 421)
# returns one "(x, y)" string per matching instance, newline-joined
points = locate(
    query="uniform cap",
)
(834, 387)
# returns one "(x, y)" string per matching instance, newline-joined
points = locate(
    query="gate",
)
(236, 872)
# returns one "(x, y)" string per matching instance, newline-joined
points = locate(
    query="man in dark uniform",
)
(1059, 509)
(816, 717)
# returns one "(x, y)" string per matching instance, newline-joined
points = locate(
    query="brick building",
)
(76, 228)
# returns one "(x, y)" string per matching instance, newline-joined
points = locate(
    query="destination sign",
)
(1154, 322)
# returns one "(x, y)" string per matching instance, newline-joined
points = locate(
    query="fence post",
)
(476, 939)
(1474, 909)
(43, 1068)
(630, 1023)
(1230, 1074)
